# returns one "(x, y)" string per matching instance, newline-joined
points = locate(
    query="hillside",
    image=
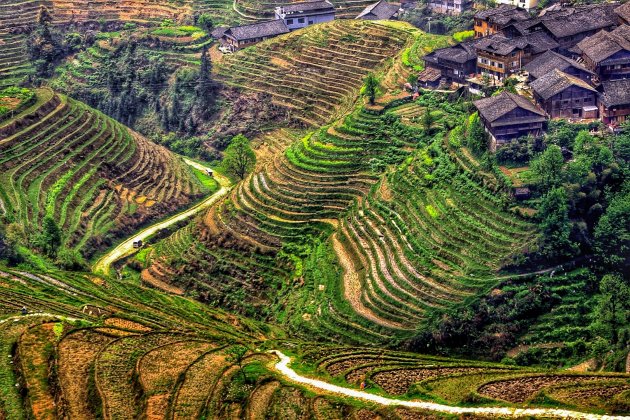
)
(315, 75)
(94, 177)
(103, 348)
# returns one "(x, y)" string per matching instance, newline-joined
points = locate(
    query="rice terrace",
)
(322, 209)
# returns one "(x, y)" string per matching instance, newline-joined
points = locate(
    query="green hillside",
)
(97, 180)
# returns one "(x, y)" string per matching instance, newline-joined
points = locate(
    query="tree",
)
(555, 225)
(428, 120)
(205, 21)
(204, 84)
(477, 140)
(371, 84)
(613, 309)
(548, 168)
(612, 233)
(239, 158)
(49, 239)
(236, 355)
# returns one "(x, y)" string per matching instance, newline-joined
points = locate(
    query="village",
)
(562, 62)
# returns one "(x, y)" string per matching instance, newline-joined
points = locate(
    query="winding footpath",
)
(283, 367)
(126, 247)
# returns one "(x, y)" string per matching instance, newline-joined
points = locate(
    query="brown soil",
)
(126, 324)
(352, 286)
(337, 368)
(591, 397)
(259, 400)
(397, 382)
(34, 355)
(519, 390)
(77, 353)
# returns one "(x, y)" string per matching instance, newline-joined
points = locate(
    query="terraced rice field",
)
(450, 380)
(93, 176)
(316, 74)
(263, 10)
(169, 361)
(14, 64)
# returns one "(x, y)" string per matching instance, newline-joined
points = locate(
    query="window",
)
(300, 20)
(500, 65)
(289, 21)
(514, 63)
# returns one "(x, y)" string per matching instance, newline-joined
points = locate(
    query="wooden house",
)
(614, 102)
(508, 116)
(623, 13)
(499, 56)
(449, 7)
(238, 37)
(608, 53)
(492, 21)
(381, 10)
(564, 96)
(550, 60)
(454, 64)
(300, 15)
(569, 26)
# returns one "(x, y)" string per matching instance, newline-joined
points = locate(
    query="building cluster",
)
(294, 16)
(568, 62)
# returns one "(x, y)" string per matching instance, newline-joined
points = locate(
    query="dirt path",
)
(352, 287)
(283, 367)
(126, 247)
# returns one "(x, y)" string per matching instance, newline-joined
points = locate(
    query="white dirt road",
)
(126, 248)
(283, 367)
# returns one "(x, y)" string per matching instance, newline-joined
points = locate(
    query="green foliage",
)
(612, 234)
(555, 225)
(206, 22)
(239, 158)
(370, 87)
(463, 35)
(613, 310)
(548, 168)
(235, 355)
(477, 139)
(49, 239)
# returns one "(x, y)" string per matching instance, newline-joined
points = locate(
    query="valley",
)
(203, 218)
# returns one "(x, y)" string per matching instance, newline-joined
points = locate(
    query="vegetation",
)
(239, 158)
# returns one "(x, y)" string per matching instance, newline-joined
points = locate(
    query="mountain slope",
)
(95, 178)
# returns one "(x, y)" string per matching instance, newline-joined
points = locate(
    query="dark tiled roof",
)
(555, 82)
(258, 30)
(616, 92)
(499, 44)
(308, 6)
(503, 14)
(538, 42)
(550, 60)
(495, 107)
(379, 11)
(429, 74)
(624, 11)
(604, 44)
(218, 32)
(459, 53)
(573, 21)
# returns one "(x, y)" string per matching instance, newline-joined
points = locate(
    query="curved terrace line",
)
(126, 247)
(283, 367)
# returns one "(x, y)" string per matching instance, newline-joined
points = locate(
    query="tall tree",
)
(548, 168)
(49, 239)
(371, 84)
(239, 158)
(612, 233)
(555, 225)
(477, 139)
(236, 355)
(613, 309)
(204, 84)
